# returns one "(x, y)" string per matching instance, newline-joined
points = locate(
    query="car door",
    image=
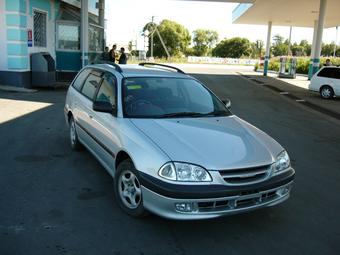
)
(105, 125)
(84, 112)
(74, 92)
(324, 77)
(337, 81)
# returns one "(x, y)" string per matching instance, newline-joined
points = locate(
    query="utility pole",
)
(162, 42)
(155, 30)
(152, 38)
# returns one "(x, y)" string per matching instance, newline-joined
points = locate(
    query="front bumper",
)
(216, 201)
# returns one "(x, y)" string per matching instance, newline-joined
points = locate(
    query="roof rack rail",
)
(116, 66)
(161, 65)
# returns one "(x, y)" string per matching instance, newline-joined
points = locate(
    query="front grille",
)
(252, 199)
(245, 175)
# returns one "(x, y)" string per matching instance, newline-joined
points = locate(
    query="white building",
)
(71, 31)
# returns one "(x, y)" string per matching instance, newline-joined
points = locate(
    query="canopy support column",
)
(318, 39)
(310, 69)
(267, 56)
(84, 32)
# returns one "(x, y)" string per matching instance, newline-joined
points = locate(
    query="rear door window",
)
(337, 73)
(78, 83)
(329, 72)
(91, 84)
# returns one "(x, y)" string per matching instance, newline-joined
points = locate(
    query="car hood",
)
(214, 142)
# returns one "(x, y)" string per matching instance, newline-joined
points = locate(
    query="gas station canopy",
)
(301, 13)
(298, 13)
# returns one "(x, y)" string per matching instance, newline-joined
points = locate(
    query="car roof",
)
(134, 70)
(329, 67)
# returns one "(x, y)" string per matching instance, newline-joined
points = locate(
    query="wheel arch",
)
(121, 156)
(324, 85)
(69, 115)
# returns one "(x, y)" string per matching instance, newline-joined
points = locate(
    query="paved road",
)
(55, 201)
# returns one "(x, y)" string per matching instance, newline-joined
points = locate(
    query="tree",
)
(279, 47)
(328, 49)
(257, 49)
(278, 40)
(297, 50)
(233, 48)
(175, 36)
(203, 41)
(307, 47)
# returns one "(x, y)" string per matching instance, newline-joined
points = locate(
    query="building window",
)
(96, 38)
(68, 37)
(39, 29)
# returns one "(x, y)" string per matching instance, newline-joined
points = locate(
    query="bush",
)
(274, 65)
(302, 64)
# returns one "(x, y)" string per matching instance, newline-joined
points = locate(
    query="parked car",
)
(327, 82)
(172, 147)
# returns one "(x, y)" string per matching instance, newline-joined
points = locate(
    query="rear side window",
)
(81, 78)
(90, 86)
(337, 73)
(330, 72)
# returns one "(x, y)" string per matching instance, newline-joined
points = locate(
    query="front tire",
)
(326, 92)
(75, 143)
(128, 190)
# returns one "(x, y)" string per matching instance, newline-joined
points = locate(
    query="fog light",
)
(184, 207)
(283, 191)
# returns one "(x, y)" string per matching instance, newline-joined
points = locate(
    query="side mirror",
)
(101, 106)
(227, 103)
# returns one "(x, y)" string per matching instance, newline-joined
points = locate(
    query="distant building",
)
(73, 36)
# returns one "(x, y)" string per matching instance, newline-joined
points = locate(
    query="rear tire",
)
(75, 143)
(326, 92)
(127, 189)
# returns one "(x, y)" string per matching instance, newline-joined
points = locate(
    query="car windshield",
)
(154, 97)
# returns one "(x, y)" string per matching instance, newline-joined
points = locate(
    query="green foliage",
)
(274, 65)
(257, 49)
(328, 49)
(233, 48)
(302, 64)
(298, 50)
(203, 41)
(278, 40)
(279, 47)
(175, 36)
(307, 47)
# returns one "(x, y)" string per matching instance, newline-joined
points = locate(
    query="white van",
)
(327, 82)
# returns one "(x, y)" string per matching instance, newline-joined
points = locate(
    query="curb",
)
(16, 89)
(291, 96)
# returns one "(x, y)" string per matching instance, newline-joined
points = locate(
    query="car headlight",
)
(177, 171)
(282, 162)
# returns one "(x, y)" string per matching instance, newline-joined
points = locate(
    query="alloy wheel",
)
(129, 189)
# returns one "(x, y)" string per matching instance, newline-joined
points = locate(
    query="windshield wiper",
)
(181, 114)
(216, 113)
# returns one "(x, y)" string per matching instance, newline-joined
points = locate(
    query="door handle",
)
(90, 116)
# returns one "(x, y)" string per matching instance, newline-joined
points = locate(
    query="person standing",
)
(122, 58)
(328, 62)
(106, 54)
(112, 53)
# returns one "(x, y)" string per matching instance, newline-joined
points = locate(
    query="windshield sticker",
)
(130, 87)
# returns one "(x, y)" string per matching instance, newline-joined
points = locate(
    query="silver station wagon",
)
(172, 147)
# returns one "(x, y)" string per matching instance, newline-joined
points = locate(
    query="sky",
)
(126, 19)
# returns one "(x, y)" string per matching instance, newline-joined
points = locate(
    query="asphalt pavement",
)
(56, 201)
